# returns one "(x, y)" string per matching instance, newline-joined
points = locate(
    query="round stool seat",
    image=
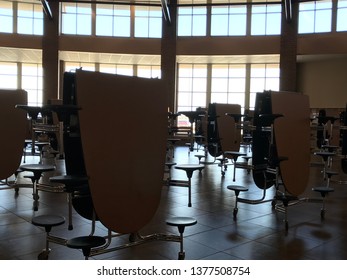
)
(190, 168)
(41, 144)
(325, 155)
(181, 221)
(234, 153)
(237, 188)
(37, 168)
(331, 173)
(170, 164)
(48, 221)
(323, 190)
(72, 182)
(85, 242)
(199, 156)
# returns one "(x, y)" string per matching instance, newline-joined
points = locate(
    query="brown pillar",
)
(50, 48)
(288, 50)
(168, 55)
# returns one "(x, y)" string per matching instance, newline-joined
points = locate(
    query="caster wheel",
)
(235, 213)
(223, 173)
(181, 255)
(322, 214)
(43, 255)
(70, 227)
(132, 237)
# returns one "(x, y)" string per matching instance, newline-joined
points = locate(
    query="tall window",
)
(266, 19)
(72, 66)
(30, 19)
(117, 69)
(228, 84)
(192, 84)
(341, 24)
(228, 20)
(263, 77)
(148, 21)
(191, 21)
(32, 82)
(112, 20)
(6, 17)
(76, 18)
(315, 16)
(149, 71)
(8, 75)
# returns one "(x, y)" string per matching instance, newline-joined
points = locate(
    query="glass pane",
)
(273, 24)
(258, 70)
(184, 99)
(125, 70)
(6, 8)
(38, 26)
(237, 85)
(236, 98)
(306, 22)
(69, 24)
(217, 97)
(200, 70)
(199, 99)
(199, 25)
(323, 21)
(25, 10)
(237, 25)
(220, 70)
(6, 24)
(8, 68)
(185, 70)
(199, 84)
(257, 84)
(185, 84)
(8, 81)
(103, 9)
(341, 24)
(219, 85)
(29, 82)
(219, 25)
(103, 26)
(155, 27)
(272, 84)
(84, 24)
(237, 71)
(122, 27)
(184, 26)
(141, 27)
(105, 68)
(258, 24)
(25, 25)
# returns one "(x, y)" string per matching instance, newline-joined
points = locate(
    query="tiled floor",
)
(257, 234)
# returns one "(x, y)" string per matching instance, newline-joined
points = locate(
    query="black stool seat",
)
(325, 155)
(48, 221)
(234, 154)
(181, 221)
(331, 173)
(72, 182)
(170, 164)
(190, 168)
(37, 169)
(323, 190)
(237, 188)
(86, 243)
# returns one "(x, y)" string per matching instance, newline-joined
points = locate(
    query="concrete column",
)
(288, 51)
(50, 51)
(168, 55)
